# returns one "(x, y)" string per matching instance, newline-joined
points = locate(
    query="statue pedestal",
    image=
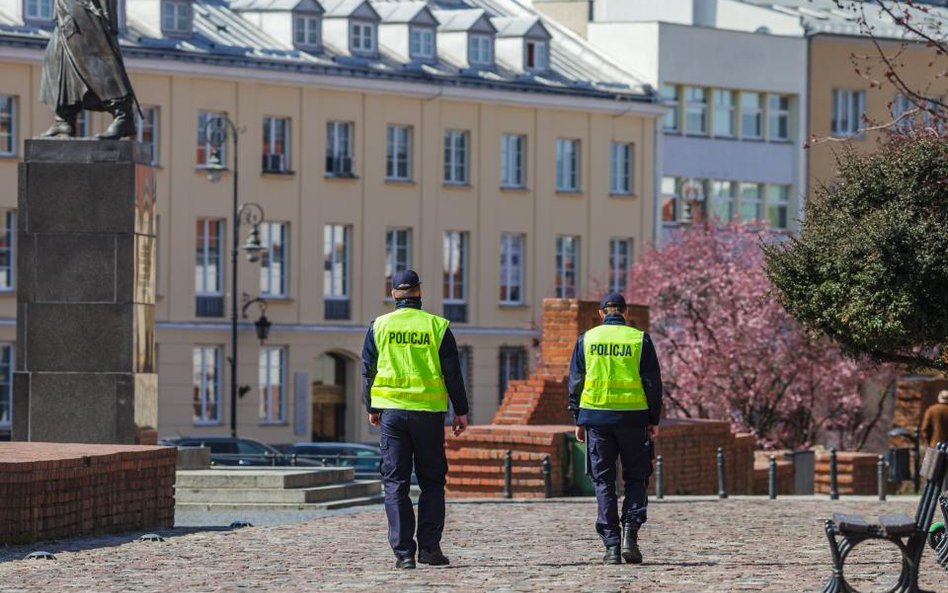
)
(85, 355)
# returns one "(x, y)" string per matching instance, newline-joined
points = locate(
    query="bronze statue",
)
(83, 69)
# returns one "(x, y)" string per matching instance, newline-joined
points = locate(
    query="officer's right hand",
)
(581, 434)
(374, 419)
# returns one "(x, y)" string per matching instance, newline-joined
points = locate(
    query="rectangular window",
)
(900, 105)
(536, 56)
(421, 43)
(672, 100)
(567, 165)
(276, 144)
(670, 201)
(398, 159)
(148, 130)
(339, 148)
(337, 255)
(725, 113)
(207, 385)
(513, 160)
(567, 266)
(38, 10)
(362, 37)
(306, 31)
(272, 385)
(620, 170)
(722, 192)
(273, 265)
(513, 367)
(175, 16)
(7, 251)
(397, 255)
(778, 204)
(750, 202)
(7, 125)
(6, 386)
(204, 147)
(696, 111)
(620, 251)
(752, 116)
(778, 117)
(455, 157)
(454, 275)
(480, 50)
(848, 110)
(512, 263)
(209, 268)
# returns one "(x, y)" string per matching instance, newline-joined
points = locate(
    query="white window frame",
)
(398, 153)
(747, 202)
(541, 55)
(513, 162)
(778, 197)
(726, 110)
(749, 111)
(339, 145)
(776, 114)
(480, 50)
(398, 247)
(566, 285)
(671, 98)
(206, 384)
(271, 132)
(362, 37)
(695, 107)
(147, 130)
(203, 143)
(6, 385)
(456, 156)
(513, 265)
(421, 43)
(454, 268)
(336, 281)
(848, 109)
(621, 155)
(568, 165)
(179, 20)
(274, 263)
(620, 258)
(207, 269)
(272, 377)
(307, 31)
(37, 10)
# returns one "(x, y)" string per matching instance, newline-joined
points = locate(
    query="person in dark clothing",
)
(615, 396)
(410, 370)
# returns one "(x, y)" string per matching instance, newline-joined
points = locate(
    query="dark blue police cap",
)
(611, 299)
(405, 280)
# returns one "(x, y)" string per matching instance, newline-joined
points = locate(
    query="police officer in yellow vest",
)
(615, 395)
(410, 370)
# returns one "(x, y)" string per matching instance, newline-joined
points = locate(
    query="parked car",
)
(239, 451)
(366, 459)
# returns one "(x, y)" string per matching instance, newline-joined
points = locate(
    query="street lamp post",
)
(216, 131)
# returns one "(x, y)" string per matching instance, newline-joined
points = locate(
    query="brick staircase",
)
(531, 400)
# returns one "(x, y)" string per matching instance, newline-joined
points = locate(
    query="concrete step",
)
(268, 507)
(353, 489)
(259, 478)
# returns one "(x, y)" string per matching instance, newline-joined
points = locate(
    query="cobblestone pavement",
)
(690, 546)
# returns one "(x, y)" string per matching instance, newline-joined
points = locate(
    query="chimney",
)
(704, 12)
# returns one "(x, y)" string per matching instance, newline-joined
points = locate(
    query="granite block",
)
(80, 338)
(80, 198)
(75, 268)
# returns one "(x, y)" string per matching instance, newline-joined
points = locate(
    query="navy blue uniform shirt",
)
(447, 353)
(651, 381)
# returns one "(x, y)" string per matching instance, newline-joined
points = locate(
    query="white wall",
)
(673, 11)
(736, 15)
(634, 46)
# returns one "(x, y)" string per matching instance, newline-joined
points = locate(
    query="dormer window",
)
(480, 50)
(362, 37)
(421, 43)
(537, 56)
(38, 10)
(176, 17)
(306, 31)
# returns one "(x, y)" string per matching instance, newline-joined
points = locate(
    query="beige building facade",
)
(498, 194)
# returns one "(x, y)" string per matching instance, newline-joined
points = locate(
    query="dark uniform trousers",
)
(607, 444)
(409, 436)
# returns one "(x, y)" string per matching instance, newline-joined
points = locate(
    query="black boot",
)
(405, 562)
(64, 125)
(123, 122)
(612, 555)
(433, 555)
(630, 543)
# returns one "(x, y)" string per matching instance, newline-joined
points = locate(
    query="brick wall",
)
(785, 473)
(857, 473)
(54, 490)
(689, 454)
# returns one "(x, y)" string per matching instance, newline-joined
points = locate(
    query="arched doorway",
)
(332, 382)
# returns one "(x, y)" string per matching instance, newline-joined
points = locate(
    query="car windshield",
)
(252, 448)
(220, 447)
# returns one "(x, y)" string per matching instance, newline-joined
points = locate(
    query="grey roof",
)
(518, 26)
(341, 8)
(275, 5)
(460, 20)
(399, 12)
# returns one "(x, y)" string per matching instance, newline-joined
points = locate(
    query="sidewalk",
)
(693, 544)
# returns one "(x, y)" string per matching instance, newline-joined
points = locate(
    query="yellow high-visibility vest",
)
(612, 369)
(409, 369)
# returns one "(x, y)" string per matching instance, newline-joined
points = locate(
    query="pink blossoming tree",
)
(729, 350)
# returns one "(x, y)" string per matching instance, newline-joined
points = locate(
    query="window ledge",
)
(8, 155)
(752, 139)
(395, 181)
(513, 306)
(515, 189)
(278, 173)
(457, 186)
(782, 141)
(272, 423)
(8, 292)
(622, 195)
(671, 132)
(697, 135)
(571, 193)
(278, 300)
(208, 423)
(341, 176)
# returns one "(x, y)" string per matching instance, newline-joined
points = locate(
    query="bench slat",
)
(897, 525)
(851, 523)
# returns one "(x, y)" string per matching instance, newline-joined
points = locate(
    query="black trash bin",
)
(900, 463)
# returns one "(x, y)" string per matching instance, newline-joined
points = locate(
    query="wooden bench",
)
(845, 532)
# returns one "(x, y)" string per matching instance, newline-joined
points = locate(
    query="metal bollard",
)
(722, 477)
(547, 477)
(772, 478)
(834, 476)
(659, 477)
(508, 471)
(881, 480)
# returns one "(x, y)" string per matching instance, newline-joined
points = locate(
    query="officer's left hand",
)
(460, 424)
(375, 419)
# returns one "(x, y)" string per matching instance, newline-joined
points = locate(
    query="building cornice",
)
(224, 326)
